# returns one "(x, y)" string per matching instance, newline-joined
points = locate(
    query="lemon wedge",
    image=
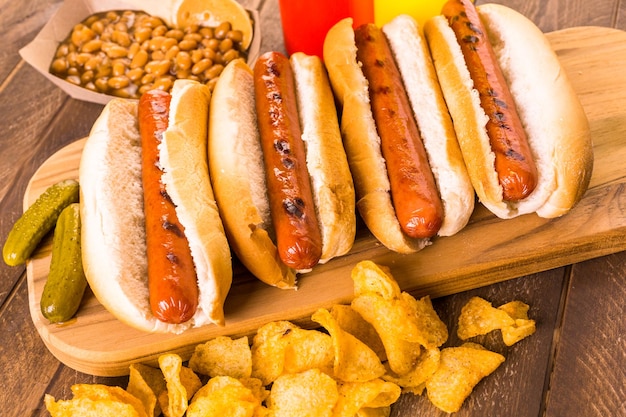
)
(212, 13)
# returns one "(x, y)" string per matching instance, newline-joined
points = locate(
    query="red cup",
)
(306, 22)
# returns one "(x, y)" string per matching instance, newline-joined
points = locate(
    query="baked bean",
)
(139, 60)
(116, 51)
(172, 52)
(183, 60)
(158, 68)
(86, 77)
(235, 36)
(230, 55)
(226, 45)
(157, 55)
(60, 65)
(102, 84)
(135, 74)
(74, 79)
(206, 32)
(222, 30)
(120, 82)
(175, 33)
(92, 64)
(214, 71)
(160, 30)
(201, 66)
(196, 56)
(122, 38)
(143, 34)
(126, 53)
(118, 68)
(92, 46)
(188, 44)
(133, 49)
(163, 83)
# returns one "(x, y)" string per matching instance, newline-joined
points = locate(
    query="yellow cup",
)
(420, 10)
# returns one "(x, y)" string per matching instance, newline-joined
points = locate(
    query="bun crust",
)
(558, 133)
(238, 176)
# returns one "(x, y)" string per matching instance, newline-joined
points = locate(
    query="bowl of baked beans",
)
(124, 52)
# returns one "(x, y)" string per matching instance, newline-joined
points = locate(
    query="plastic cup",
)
(420, 10)
(306, 22)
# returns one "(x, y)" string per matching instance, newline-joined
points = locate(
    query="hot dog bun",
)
(113, 240)
(237, 170)
(362, 141)
(551, 114)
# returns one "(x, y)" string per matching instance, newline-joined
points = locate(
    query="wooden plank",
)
(488, 250)
(592, 349)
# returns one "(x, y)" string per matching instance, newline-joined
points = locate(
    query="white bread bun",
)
(113, 233)
(238, 176)
(331, 180)
(552, 116)
(433, 120)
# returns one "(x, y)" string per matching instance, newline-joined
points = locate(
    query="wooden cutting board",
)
(488, 250)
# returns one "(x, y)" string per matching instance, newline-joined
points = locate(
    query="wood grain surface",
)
(488, 250)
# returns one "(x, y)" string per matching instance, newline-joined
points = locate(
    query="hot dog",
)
(383, 112)
(278, 167)
(298, 235)
(524, 133)
(172, 280)
(413, 190)
(152, 155)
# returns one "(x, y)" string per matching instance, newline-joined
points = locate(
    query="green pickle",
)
(37, 221)
(66, 283)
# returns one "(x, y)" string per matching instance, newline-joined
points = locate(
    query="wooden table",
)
(575, 364)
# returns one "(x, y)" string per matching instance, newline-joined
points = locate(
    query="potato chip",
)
(460, 369)
(308, 349)
(223, 356)
(516, 309)
(146, 383)
(96, 399)
(354, 360)
(257, 388)
(522, 328)
(181, 384)
(432, 332)
(395, 323)
(370, 278)
(353, 396)
(88, 407)
(223, 396)
(268, 350)
(479, 317)
(310, 393)
(414, 380)
(352, 322)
